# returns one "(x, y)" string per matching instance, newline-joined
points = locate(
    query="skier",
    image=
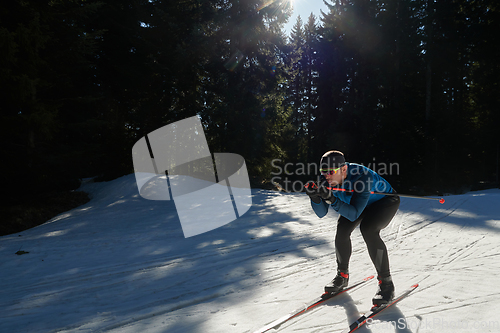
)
(356, 206)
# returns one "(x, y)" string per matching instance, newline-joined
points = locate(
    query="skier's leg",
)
(377, 217)
(343, 246)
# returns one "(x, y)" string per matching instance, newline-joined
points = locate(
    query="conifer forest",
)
(412, 82)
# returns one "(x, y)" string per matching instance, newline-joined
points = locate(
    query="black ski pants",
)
(374, 218)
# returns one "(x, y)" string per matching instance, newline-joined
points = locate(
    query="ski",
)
(317, 301)
(377, 310)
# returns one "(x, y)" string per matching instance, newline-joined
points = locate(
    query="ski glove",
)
(312, 191)
(316, 193)
(325, 193)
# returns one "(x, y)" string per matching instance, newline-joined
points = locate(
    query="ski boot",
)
(338, 283)
(385, 292)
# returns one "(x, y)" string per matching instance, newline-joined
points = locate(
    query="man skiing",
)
(357, 206)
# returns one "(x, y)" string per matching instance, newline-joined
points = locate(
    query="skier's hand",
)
(311, 188)
(323, 190)
(312, 191)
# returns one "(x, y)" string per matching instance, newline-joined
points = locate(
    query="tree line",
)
(413, 82)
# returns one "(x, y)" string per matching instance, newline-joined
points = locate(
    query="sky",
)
(304, 9)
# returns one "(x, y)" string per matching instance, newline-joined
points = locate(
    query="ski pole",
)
(441, 200)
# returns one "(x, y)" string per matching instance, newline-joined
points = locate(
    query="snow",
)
(120, 263)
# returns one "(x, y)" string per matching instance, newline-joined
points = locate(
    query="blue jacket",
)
(362, 181)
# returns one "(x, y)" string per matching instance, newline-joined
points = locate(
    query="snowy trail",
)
(121, 264)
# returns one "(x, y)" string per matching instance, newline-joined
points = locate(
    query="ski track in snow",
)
(121, 264)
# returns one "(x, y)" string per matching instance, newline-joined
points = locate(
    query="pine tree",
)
(296, 86)
(244, 89)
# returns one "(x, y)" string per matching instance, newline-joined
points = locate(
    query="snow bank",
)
(120, 263)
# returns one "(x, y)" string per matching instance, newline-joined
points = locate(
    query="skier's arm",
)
(359, 199)
(320, 208)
